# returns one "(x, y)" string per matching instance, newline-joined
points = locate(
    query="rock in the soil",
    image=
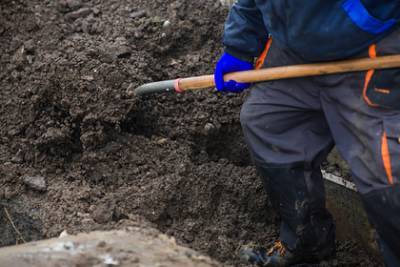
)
(138, 14)
(18, 158)
(166, 24)
(37, 183)
(81, 13)
(20, 57)
(130, 91)
(104, 213)
(162, 141)
(69, 5)
(29, 46)
(209, 128)
(88, 78)
(63, 234)
(92, 139)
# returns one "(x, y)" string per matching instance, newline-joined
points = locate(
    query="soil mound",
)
(135, 246)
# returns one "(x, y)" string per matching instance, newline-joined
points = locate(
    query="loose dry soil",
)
(78, 154)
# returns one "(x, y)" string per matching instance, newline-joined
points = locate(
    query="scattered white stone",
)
(162, 141)
(166, 24)
(130, 91)
(209, 127)
(80, 13)
(63, 234)
(138, 14)
(109, 260)
(37, 183)
(88, 78)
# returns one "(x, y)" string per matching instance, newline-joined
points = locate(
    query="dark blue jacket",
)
(316, 30)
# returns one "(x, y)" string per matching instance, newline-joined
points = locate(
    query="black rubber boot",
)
(383, 209)
(279, 256)
(297, 194)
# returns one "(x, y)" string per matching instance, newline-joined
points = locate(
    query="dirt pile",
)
(134, 246)
(177, 160)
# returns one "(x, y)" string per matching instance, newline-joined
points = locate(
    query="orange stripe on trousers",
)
(386, 158)
(368, 77)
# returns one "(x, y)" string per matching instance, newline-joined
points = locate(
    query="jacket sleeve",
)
(245, 34)
(383, 10)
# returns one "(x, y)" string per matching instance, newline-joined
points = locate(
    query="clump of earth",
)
(77, 153)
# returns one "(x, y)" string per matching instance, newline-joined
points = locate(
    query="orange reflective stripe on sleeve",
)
(386, 158)
(264, 54)
(368, 77)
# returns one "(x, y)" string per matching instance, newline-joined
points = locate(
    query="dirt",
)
(134, 246)
(104, 157)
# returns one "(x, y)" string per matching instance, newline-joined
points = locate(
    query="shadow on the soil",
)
(227, 142)
(16, 226)
(141, 120)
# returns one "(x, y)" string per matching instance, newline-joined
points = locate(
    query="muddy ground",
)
(78, 154)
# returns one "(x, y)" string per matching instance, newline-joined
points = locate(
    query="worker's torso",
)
(320, 30)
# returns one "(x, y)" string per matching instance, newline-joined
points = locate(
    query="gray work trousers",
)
(291, 125)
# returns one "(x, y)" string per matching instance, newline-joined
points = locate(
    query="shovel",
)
(269, 74)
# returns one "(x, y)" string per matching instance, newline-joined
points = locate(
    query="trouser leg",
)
(368, 140)
(367, 136)
(288, 138)
(383, 208)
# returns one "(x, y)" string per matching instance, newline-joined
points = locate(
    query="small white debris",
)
(37, 183)
(209, 127)
(61, 247)
(63, 234)
(88, 78)
(130, 91)
(138, 14)
(166, 24)
(162, 141)
(109, 260)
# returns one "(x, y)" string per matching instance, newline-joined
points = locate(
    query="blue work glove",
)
(228, 63)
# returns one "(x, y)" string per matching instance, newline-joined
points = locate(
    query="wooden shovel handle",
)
(294, 71)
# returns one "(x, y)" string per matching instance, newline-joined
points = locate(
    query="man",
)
(291, 125)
